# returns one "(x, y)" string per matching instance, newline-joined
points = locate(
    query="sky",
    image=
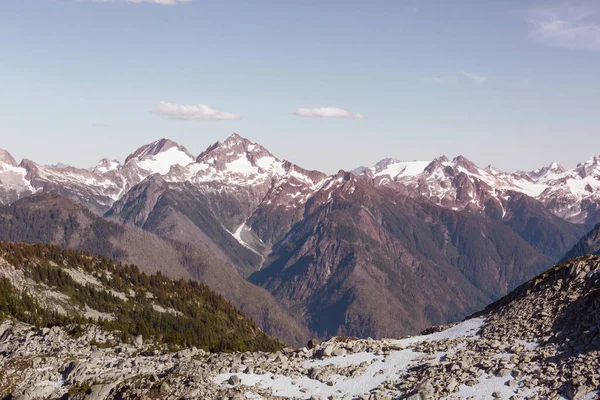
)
(327, 84)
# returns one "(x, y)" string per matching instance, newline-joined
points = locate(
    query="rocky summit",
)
(542, 341)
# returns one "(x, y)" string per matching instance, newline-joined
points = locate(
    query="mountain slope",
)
(47, 286)
(181, 212)
(589, 244)
(544, 231)
(52, 219)
(363, 263)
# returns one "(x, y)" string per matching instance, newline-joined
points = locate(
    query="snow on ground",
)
(238, 236)
(380, 368)
(487, 385)
(464, 329)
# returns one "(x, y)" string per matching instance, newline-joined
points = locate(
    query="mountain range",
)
(380, 251)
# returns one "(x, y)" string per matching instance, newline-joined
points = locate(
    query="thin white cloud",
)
(99, 125)
(440, 80)
(326, 112)
(162, 2)
(475, 78)
(571, 24)
(196, 112)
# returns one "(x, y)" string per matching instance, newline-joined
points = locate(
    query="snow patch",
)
(380, 369)
(163, 161)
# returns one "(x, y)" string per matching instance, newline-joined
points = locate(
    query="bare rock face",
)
(7, 158)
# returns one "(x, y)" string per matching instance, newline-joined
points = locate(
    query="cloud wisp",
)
(327, 112)
(195, 112)
(475, 78)
(573, 24)
(161, 2)
(440, 80)
(459, 77)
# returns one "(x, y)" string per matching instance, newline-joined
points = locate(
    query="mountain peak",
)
(589, 168)
(552, 169)
(441, 159)
(436, 163)
(490, 169)
(106, 165)
(234, 147)
(155, 148)
(235, 137)
(7, 158)
(385, 162)
(555, 167)
(463, 161)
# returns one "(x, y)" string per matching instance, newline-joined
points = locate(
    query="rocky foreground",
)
(541, 341)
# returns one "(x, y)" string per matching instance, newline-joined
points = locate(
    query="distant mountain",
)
(97, 187)
(573, 195)
(459, 184)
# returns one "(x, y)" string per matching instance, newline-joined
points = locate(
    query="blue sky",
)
(509, 83)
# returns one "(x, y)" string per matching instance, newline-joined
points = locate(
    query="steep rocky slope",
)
(589, 244)
(52, 219)
(541, 341)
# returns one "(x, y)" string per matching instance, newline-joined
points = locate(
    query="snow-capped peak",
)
(105, 165)
(235, 146)
(236, 140)
(393, 169)
(589, 168)
(156, 148)
(553, 170)
(490, 169)
(159, 156)
(236, 160)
